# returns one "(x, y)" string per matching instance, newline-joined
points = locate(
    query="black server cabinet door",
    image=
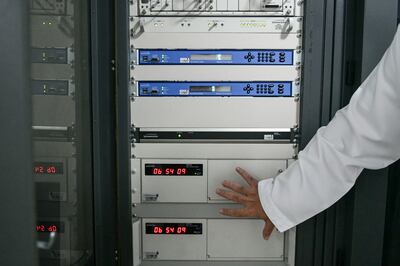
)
(61, 131)
(17, 239)
(344, 40)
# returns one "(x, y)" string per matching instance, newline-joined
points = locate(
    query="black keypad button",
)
(249, 57)
(248, 88)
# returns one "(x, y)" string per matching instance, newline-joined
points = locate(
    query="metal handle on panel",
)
(138, 28)
(288, 26)
(151, 254)
(46, 245)
(150, 197)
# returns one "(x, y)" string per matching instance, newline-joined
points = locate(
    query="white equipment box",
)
(197, 180)
(217, 7)
(215, 33)
(212, 239)
(204, 112)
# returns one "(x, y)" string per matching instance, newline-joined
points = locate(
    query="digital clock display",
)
(174, 228)
(48, 227)
(48, 168)
(174, 169)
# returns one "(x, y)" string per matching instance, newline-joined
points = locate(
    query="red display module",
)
(48, 168)
(169, 171)
(174, 169)
(174, 229)
(48, 227)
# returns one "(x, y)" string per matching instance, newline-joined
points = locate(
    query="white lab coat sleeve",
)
(364, 134)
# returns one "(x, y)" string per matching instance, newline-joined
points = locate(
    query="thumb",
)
(268, 228)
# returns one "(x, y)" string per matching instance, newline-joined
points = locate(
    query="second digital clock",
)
(174, 169)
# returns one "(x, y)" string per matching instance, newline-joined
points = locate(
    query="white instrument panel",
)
(160, 246)
(216, 7)
(215, 33)
(194, 181)
(237, 151)
(275, 25)
(214, 112)
(209, 239)
(218, 163)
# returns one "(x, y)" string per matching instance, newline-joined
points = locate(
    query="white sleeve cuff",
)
(281, 222)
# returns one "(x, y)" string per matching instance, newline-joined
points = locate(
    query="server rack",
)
(332, 37)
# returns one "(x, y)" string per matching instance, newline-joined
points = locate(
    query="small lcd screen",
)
(48, 168)
(210, 88)
(174, 169)
(174, 228)
(223, 88)
(211, 57)
(48, 227)
(201, 88)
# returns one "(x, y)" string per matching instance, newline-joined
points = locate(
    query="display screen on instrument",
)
(210, 88)
(48, 168)
(211, 57)
(48, 227)
(174, 228)
(174, 169)
(201, 88)
(223, 88)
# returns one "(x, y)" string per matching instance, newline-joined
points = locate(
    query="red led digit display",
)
(48, 227)
(169, 171)
(173, 229)
(48, 168)
(174, 169)
(181, 230)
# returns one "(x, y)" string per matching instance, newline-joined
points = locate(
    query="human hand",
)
(247, 196)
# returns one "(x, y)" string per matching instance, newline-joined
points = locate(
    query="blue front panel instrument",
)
(258, 89)
(216, 57)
